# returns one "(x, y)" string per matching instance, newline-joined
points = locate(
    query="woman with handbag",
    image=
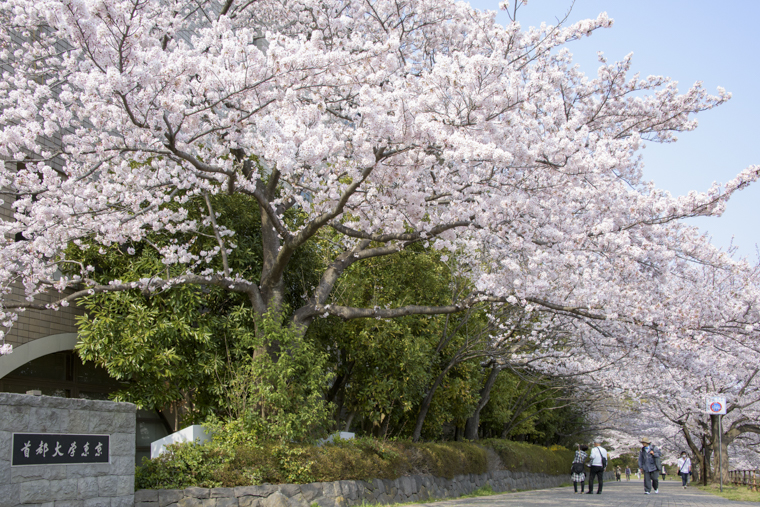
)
(684, 469)
(577, 473)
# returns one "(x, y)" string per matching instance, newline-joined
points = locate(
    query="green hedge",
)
(186, 465)
(522, 457)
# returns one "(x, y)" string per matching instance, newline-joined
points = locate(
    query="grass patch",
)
(731, 492)
(485, 490)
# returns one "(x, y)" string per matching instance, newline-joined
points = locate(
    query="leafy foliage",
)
(524, 457)
(273, 390)
(179, 343)
(215, 464)
(181, 466)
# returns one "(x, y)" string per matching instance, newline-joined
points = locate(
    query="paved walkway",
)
(615, 494)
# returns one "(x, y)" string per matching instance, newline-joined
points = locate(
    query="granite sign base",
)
(62, 444)
(347, 493)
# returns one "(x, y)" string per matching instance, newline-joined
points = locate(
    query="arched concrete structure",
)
(34, 349)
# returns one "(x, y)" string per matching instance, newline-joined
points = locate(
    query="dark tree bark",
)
(473, 422)
(425, 405)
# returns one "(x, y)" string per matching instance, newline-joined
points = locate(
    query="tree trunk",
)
(723, 458)
(720, 459)
(473, 422)
(350, 420)
(425, 405)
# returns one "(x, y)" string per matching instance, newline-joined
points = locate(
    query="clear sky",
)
(688, 40)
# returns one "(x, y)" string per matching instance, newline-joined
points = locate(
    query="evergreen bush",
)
(215, 464)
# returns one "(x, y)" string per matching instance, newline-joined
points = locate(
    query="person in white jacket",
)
(684, 468)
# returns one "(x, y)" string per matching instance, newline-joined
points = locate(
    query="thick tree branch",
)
(151, 286)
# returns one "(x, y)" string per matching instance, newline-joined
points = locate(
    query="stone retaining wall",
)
(81, 485)
(347, 493)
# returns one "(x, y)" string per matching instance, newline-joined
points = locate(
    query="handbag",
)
(604, 460)
(577, 468)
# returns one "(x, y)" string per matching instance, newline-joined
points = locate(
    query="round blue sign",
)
(716, 407)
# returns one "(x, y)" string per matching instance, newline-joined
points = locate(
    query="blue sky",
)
(689, 41)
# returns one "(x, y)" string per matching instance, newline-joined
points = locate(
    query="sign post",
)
(716, 405)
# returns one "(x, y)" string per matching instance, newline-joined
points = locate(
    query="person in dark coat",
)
(648, 466)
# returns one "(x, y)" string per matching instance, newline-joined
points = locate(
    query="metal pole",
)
(720, 451)
(704, 461)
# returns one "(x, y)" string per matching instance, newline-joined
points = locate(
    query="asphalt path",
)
(614, 494)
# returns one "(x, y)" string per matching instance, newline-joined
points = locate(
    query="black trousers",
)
(575, 486)
(599, 472)
(651, 480)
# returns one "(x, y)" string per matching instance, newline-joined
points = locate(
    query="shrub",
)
(523, 457)
(359, 459)
(181, 466)
(276, 462)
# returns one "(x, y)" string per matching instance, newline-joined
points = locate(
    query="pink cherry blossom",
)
(388, 124)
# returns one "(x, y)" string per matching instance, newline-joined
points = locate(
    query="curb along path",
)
(615, 494)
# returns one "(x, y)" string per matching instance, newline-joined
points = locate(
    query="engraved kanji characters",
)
(42, 449)
(26, 448)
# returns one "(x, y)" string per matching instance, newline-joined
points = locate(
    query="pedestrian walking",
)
(597, 465)
(649, 463)
(684, 469)
(577, 473)
(628, 473)
(618, 473)
(663, 472)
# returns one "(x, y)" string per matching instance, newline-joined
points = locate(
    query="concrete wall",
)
(347, 493)
(74, 485)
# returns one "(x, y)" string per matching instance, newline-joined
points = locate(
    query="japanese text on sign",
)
(59, 449)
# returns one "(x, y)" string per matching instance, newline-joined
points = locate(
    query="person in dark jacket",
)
(648, 465)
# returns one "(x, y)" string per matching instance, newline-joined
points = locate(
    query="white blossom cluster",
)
(388, 123)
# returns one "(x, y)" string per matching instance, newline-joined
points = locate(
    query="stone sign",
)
(66, 451)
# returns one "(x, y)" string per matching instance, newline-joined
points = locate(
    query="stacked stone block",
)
(347, 493)
(81, 485)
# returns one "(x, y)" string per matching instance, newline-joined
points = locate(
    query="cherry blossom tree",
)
(382, 123)
(666, 384)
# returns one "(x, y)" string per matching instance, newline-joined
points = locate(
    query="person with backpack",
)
(597, 465)
(684, 468)
(650, 464)
(577, 473)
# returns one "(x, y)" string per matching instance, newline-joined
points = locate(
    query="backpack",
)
(577, 468)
